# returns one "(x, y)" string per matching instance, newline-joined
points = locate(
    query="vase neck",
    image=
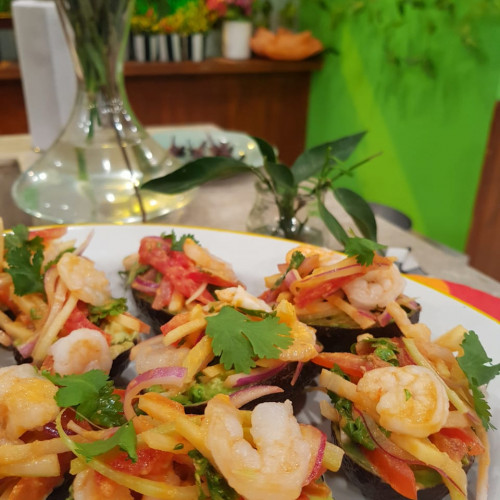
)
(97, 33)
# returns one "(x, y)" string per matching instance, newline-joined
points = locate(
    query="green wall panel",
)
(430, 129)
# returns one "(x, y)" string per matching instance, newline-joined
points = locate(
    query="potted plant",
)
(143, 30)
(314, 173)
(237, 26)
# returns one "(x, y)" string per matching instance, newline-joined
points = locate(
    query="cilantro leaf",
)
(54, 261)
(478, 369)
(92, 395)
(238, 340)
(178, 243)
(362, 248)
(125, 438)
(384, 349)
(24, 258)
(113, 308)
(295, 261)
(218, 487)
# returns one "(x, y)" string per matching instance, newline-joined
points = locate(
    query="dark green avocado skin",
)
(373, 488)
(153, 317)
(338, 339)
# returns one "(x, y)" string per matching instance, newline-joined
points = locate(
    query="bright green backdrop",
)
(431, 122)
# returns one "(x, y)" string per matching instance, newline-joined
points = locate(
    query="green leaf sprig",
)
(178, 243)
(477, 367)
(314, 173)
(92, 396)
(112, 308)
(239, 340)
(124, 438)
(24, 258)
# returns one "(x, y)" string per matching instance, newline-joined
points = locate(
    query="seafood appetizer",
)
(340, 296)
(409, 412)
(79, 436)
(236, 345)
(170, 275)
(56, 308)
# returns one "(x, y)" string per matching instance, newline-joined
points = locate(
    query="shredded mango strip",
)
(197, 325)
(43, 466)
(361, 319)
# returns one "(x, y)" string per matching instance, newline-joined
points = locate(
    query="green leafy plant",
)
(314, 173)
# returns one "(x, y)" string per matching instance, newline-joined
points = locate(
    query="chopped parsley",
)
(478, 369)
(218, 487)
(238, 340)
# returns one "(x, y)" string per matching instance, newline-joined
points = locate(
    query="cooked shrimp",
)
(376, 288)
(88, 485)
(83, 279)
(152, 353)
(277, 467)
(409, 400)
(80, 351)
(35, 408)
(239, 297)
(204, 259)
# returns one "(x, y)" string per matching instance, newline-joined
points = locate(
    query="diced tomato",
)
(153, 251)
(307, 295)
(149, 462)
(78, 319)
(163, 294)
(394, 471)
(457, 443)
(51, 233)
(351, 364)
(5, 297)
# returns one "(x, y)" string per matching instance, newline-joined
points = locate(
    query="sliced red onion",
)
(145, 286)
(26, 349)
(254, 377)
(298, 370)
(317, 443)
(85, 244)
(333, 273)
(169, 376)
(384, 318)
(290, 277)
(395, 451)
(244, 396)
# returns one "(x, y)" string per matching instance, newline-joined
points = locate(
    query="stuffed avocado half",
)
(408, 411)
(237, 345)
(170, 275)
(340, 296)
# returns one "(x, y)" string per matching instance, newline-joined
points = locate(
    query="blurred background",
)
(422, 77)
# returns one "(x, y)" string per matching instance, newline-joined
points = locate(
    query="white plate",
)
(254, 257)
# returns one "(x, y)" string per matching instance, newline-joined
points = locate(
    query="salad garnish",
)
(478, 369)
(362, 248)
(178, 243)
(91, 395)
(238, 340)
(25, 260)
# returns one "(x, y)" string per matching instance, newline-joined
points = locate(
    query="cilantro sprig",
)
(384, 349)
(24, 258)
(363, 248)
(178, 243)
(92, 396)
(124, 438)
(238, 340)
(477, 367)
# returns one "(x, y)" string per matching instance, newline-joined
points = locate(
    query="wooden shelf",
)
(264, 98)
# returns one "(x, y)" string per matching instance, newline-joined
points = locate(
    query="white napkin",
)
(49, 82)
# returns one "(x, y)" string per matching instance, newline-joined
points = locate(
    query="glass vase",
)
(295, 220)
(93, 171)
